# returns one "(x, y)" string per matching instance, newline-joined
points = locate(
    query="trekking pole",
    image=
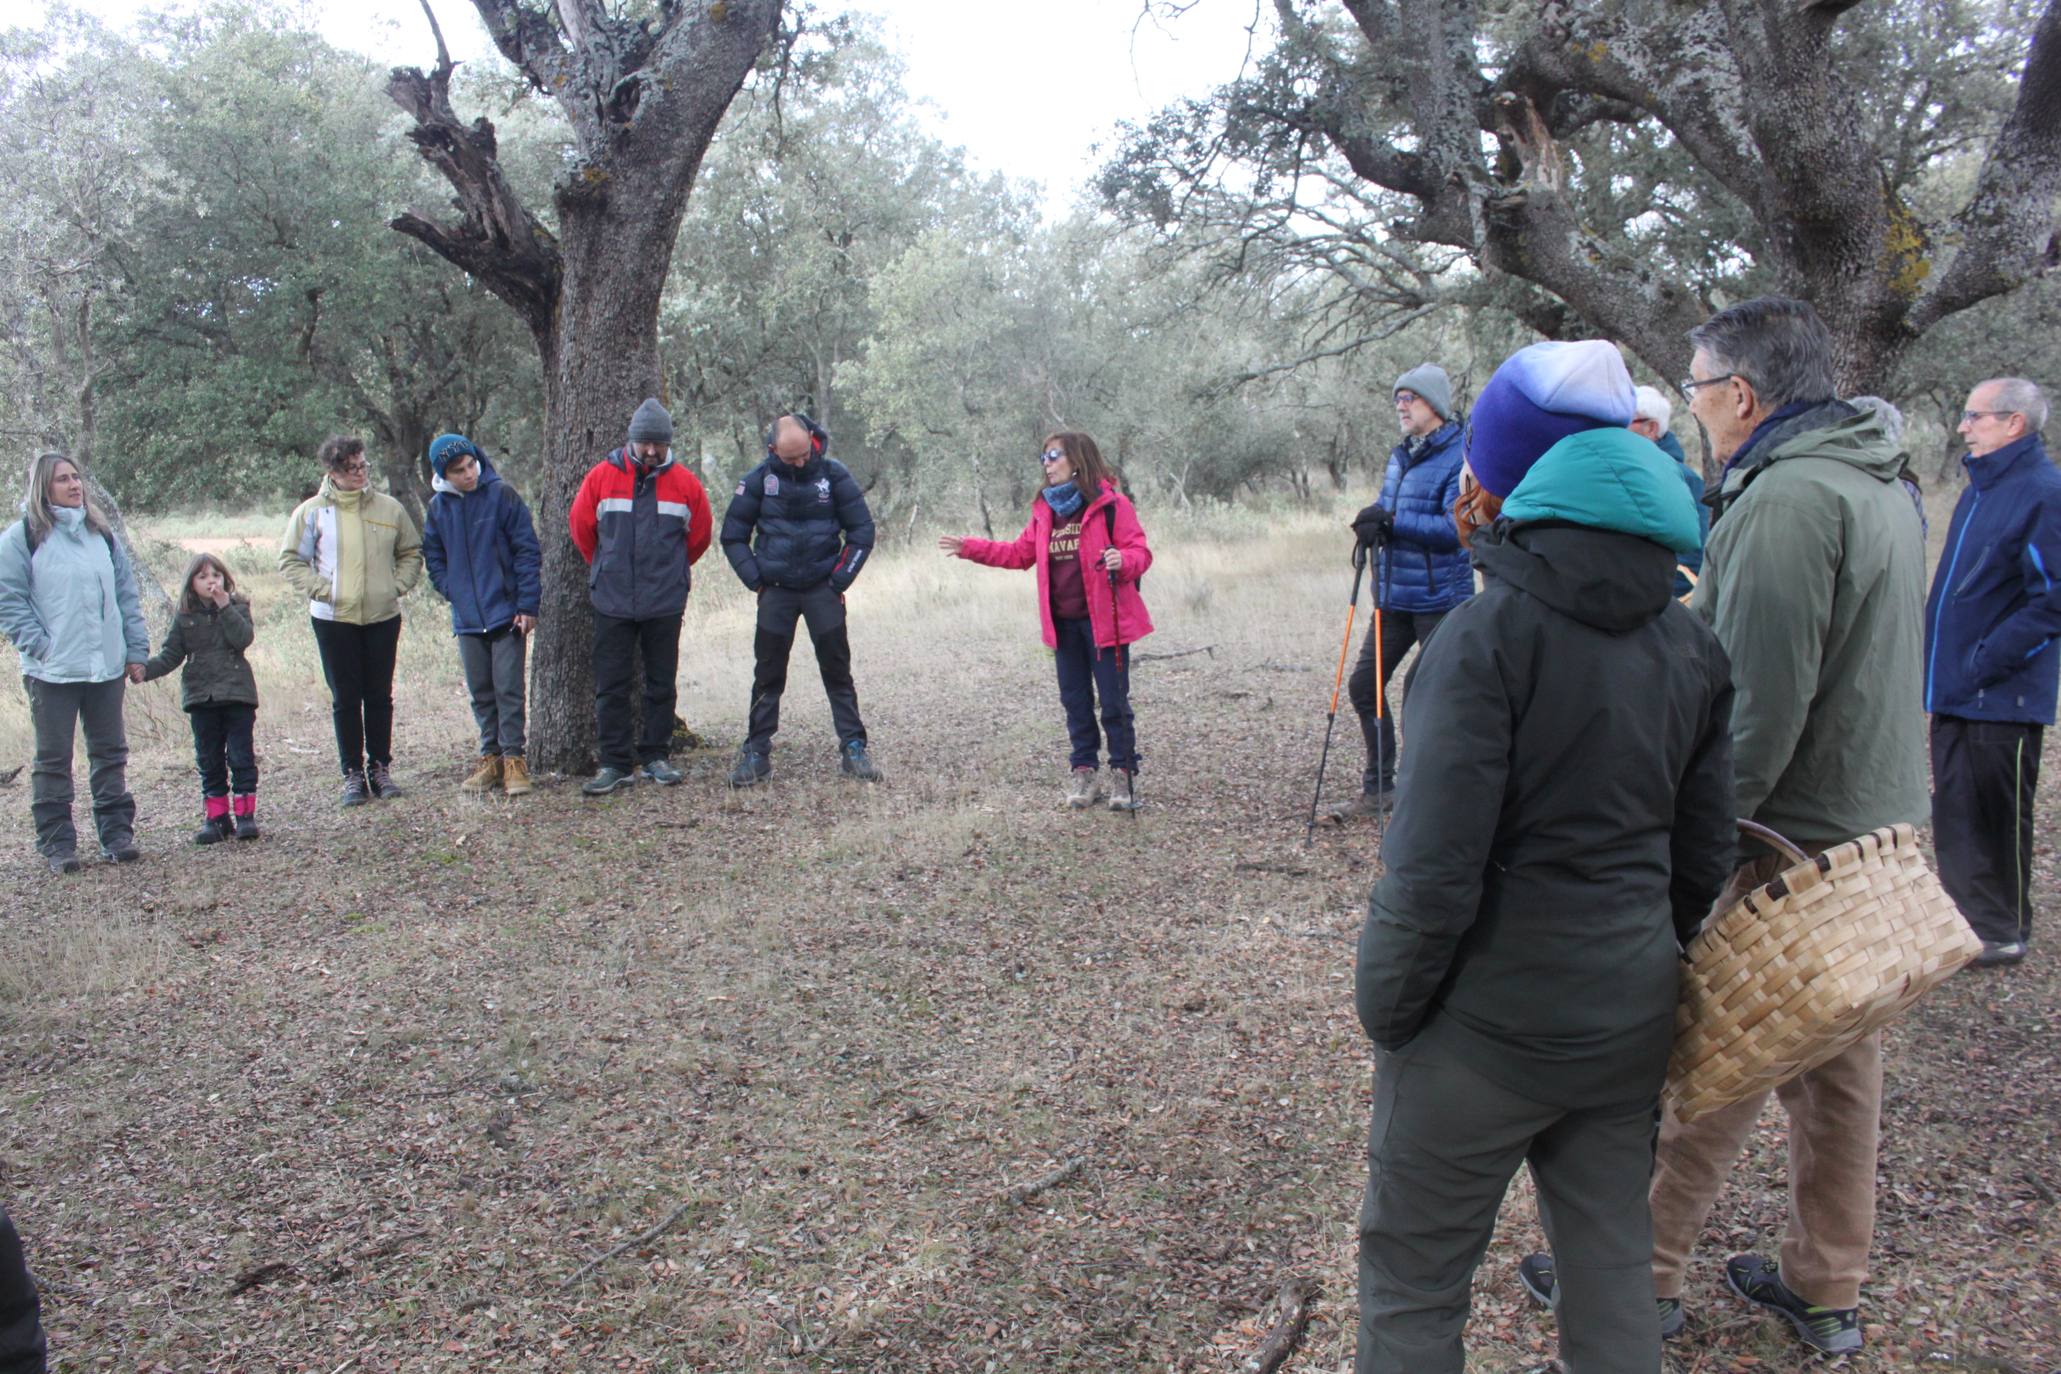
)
(1119, 668)
(1352, 610)
(1380, 679)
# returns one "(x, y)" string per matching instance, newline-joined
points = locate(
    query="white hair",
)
(2017, 396)
(1652, 406)
(1892, 418)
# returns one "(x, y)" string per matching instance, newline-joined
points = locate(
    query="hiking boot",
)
(1539, 1278)
(214, 830)
(660, 771)
(1375, 803)
(605, 782)
(515, 775)
(1123, 795)
(856, 764)
(121, 852)
(751, 769)
(381, 782)
(484, 778)
(1997, 953)
(1830, 1330)
(1083, 788)
(63, 863)
(247, 826)
(354, 790)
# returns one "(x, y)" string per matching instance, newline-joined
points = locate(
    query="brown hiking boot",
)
(515, 775)
(1083, 788)
(1365, 804)
(484, 778)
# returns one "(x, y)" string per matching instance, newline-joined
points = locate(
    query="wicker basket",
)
(1803, 966)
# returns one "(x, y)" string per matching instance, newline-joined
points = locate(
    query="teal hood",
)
(1609, 479)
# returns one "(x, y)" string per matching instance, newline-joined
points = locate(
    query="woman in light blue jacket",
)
(68, 601)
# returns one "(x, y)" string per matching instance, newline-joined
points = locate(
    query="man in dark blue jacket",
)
(483, 557)
(797, 532)
(1423, 571)
(1991, 663)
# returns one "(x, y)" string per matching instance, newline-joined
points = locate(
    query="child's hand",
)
(221, 597)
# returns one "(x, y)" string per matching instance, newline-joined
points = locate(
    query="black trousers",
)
(823, 611)
(358, 662)
(224, 749)
(617, 643)
(1984, 774)
(1444, 1144)
(22, 1348)
(1399, 631)
(1087, 673)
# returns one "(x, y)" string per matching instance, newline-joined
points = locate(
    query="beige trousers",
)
(1834, 1114)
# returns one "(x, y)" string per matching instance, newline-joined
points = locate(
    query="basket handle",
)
(1754, 831)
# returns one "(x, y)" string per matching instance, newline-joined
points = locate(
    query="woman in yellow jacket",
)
(354, 553)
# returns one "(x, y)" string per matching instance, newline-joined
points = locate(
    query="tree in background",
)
(1634, 164)
(641, 94)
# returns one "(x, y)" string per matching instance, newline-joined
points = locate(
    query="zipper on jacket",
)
(1939, 611)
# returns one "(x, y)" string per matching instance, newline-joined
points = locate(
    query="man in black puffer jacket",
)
(813, 534)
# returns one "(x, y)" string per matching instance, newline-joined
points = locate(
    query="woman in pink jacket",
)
(1085, 541)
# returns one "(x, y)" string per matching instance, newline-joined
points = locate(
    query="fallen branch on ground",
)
(1209, 649)
(259, 1276)
(1024, 1192)
(1292, 1306)
(653, 1234)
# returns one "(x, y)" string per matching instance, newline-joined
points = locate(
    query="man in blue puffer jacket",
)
(1423, 570)
(797, 532)
(1992, 665)
(483, 557)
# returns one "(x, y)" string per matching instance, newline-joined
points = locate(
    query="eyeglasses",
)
(357, 469)
(1403, 398)
(1969, 417)
(1688, 385)
(1051, 455)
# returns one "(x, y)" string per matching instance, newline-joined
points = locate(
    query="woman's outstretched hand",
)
(951, 543)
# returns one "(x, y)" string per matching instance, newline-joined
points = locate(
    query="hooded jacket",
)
(210, 643)
(1116, 614)
(798, 527)
(1564, 815)
(641, 530)
(70, 603)
(1814, 579)
(481, 550)
(353, 554)
(1424, 570)
(1995, 607)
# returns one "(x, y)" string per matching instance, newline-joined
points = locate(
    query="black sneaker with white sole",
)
(1538, 1276)
(1832, 1330)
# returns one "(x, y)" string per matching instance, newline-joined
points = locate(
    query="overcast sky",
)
(1028, 89)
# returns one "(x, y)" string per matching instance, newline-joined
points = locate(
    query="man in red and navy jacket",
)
(641, 520)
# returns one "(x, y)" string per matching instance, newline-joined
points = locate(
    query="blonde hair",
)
(36, 510)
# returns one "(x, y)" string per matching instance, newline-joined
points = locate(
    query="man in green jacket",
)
(1814, 580)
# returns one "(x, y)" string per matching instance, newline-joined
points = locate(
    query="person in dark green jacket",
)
(1564, 821)
(209, 633)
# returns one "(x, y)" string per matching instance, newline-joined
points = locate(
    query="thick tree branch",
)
(496, 238)
(2007, 229)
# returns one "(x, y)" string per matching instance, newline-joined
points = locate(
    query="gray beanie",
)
(1431, 384)
(651, 424)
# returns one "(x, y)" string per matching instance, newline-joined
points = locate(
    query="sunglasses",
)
(1051, 455)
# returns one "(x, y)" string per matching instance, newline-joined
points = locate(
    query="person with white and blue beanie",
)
(1564, 819)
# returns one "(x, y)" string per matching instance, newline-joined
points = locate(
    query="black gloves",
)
(1374, 523)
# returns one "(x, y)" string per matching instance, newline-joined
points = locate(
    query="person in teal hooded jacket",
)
(68, 601)
(1564, 820)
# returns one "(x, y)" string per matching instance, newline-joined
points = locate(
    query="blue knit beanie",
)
(445, 447)
(1539, 396)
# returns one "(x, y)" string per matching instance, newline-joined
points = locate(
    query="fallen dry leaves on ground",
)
(378, 1092)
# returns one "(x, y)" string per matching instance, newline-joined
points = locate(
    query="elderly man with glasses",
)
(1814, 580)
(1991, 663)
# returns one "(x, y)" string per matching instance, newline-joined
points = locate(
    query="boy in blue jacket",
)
(483, 557)
(1991, 663)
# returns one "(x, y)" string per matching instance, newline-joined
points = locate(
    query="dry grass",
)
(433, 1057)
